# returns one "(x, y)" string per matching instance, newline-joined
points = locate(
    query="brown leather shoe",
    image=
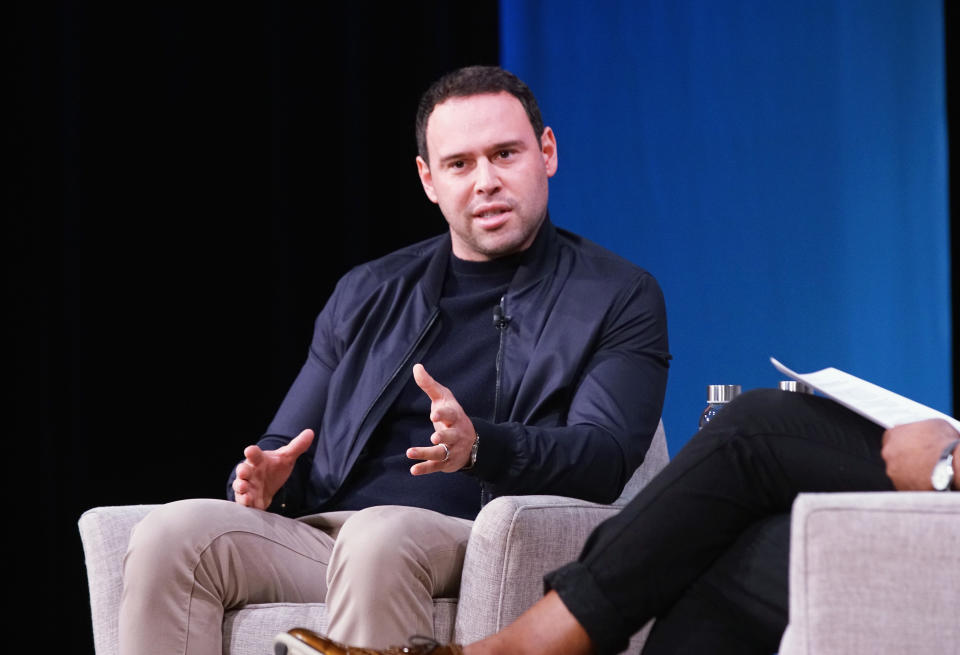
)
(301, 641)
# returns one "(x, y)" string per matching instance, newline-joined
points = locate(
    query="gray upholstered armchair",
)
(874, 573)
(515, 540)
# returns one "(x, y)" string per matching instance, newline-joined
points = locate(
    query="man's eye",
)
(458, 164)
(504, 154)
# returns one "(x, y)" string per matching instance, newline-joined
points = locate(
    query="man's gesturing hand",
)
(911, 450)
(452, 427)
(263, 472)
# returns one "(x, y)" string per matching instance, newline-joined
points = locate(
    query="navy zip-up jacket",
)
(584, 359)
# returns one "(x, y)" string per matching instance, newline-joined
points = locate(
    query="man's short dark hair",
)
(471, 81)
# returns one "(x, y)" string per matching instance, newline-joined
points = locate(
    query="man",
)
(704, 547)
(553, 354)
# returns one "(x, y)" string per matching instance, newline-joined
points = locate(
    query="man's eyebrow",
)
(453, 157)
(507, 144)
(503, 145)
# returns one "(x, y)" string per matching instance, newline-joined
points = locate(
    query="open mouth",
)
(492, 219)
(490, 213)
(493, 215)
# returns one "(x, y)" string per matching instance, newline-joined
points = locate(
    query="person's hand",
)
(263, 472)
(911, 450)
(452, 427)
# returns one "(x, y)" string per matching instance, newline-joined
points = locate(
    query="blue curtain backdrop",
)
(781, 168)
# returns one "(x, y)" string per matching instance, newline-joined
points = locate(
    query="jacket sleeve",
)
(613, 413)
(303, 407)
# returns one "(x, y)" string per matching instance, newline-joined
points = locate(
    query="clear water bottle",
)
(718, 395)
(795, 385)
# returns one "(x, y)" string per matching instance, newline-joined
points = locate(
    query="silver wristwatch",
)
(473, 454)
(942, 476)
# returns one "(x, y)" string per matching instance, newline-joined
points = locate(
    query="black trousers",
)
(704, 547)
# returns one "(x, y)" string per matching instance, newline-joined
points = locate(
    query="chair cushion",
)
(250, 631)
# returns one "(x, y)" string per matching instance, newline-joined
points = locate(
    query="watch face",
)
(942, 475)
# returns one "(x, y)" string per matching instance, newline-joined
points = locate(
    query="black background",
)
(184, 186)
(188, 182)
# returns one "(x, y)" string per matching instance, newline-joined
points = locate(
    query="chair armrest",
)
(515, 541)
(105, 532)
(874, 573)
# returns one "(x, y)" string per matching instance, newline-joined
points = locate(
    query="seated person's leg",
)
(748, 464)
(744, 468)
(739, 606)
(189, 560)
(388, 564)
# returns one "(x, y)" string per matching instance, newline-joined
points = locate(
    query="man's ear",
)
(548, 148)
(426, 179)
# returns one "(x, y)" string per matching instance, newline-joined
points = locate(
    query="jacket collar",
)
(539, 260)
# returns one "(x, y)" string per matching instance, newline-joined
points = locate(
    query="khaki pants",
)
(377, 569)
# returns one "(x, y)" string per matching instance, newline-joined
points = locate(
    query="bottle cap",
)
(722, 393)
(795, 385)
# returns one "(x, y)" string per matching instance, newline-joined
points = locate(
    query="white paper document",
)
(880, 405)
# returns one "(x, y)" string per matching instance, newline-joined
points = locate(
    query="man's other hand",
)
(263, 472)
(911, 450)
(452, 428)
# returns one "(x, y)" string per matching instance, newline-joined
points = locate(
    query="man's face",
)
(487, 174)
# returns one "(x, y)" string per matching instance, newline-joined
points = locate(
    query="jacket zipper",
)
(500, 321)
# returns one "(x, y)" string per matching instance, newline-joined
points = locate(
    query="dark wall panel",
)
(190, 182)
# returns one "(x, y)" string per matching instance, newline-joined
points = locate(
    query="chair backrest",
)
(656, 458)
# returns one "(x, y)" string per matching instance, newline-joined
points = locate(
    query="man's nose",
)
(488, 179)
